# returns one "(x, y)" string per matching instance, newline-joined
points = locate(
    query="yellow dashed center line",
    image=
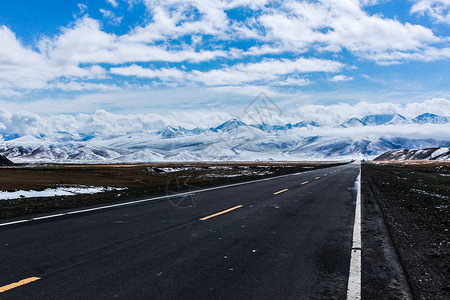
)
(220, 213)
(317, 178)
(279, 192)
(17, 284)
(305, 182)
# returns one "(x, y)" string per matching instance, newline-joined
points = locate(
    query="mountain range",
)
(365, 137)
(416, 154)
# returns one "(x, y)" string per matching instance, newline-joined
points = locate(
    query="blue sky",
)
(142, 56)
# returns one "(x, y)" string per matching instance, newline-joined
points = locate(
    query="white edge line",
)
(354, 278)
(145, 200)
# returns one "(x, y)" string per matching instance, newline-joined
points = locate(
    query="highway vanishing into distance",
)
(289, 237)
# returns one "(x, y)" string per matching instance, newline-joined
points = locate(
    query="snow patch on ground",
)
(430, 194)
(52, 192)
(439, 151)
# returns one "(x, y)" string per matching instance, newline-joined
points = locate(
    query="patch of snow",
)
(171, 170)
(431, 194)
(52, 192)
(439, 151)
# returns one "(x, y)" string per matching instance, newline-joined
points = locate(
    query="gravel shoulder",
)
(413, 200)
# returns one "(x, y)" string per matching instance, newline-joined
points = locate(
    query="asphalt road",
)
(285, 238)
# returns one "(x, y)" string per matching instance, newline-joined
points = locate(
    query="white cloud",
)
(267, 71)
(339, 78)
(338, 113)
(396, 57)
(87, 43)
(438, 10)
(196, 31)
(21, 122)
(409, 131)
(111, 17)
(113, 3)
(292, 81)
(164, 74)
(23, 68)
(333, 25)
(81, 86)
(82, 7)
(106, 124)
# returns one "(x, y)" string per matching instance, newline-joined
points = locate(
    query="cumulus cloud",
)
(165, 74)
(339, 24)
(111, 17)
(87, 43)
(113, 3)
(268, 70)
(21, 67)
(20, 123)
(339, 78)
(339, 113)
(438, 10)
(242, 49)
(109, 124)
(104, 123)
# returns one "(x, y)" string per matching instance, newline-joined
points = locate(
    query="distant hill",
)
(416, 154)
(5, 162)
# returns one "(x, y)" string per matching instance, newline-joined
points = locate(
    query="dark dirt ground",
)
(414, 201)
(140, 181)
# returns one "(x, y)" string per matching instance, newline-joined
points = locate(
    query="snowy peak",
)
(428, 118)
(229, 125)
(383, 119)
(284, 127)
(306, 124)
(376, 120)
(171, 132)
(442, 153)
(398, 120)
(271, 128)
(352, 122)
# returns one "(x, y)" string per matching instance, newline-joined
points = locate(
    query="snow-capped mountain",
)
(372, 120)
(233, 140)
(416, 154)
(376, 120)
(398, 120)
(352, 122)
(431, 119)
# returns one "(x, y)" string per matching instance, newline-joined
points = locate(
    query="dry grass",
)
(39, 177)
(141, 180)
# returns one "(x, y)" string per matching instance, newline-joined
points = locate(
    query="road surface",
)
(282, 238)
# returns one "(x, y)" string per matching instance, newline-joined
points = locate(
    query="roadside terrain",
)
(135, 180)
(414, 201)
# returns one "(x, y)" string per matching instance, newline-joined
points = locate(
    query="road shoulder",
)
(382, 273)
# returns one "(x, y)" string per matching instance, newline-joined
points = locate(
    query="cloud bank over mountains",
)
(106, 123)
(263, 131)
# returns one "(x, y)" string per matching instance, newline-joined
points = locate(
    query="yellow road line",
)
(220, 213)
(279, 192)
(305, 182)
(317, 178)
(17, 284)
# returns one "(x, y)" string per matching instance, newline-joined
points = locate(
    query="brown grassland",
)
(140, 180)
